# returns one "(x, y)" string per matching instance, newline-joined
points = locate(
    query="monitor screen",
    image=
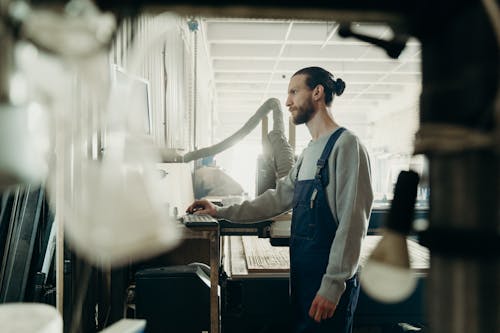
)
(138, 94)
(177, 182)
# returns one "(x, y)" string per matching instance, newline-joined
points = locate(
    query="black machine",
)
(261, 305)
(174, 298)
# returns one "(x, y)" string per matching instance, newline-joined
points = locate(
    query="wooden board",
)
(262, 257)
(238, 261)
(419, 255)
(250, 254)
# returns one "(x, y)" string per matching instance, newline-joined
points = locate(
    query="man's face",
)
(299, 101)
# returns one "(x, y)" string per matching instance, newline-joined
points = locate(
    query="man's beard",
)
(304, 113)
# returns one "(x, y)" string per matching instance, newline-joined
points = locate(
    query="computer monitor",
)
(177, 180)
(138, 98)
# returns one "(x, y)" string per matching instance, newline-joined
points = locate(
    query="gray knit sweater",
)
(349, 194)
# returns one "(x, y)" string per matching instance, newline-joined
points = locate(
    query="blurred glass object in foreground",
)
(109, 201)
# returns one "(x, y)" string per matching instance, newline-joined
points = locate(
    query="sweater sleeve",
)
(350, 197)
(269, 204)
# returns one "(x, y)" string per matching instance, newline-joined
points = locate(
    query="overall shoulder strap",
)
(327, 150)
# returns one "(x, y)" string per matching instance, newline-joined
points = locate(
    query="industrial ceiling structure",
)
(252, 60)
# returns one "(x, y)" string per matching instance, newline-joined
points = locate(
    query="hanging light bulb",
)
(387, 276)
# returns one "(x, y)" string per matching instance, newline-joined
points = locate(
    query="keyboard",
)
(197, 220)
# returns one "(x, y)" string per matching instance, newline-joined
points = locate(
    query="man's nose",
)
(288, 102)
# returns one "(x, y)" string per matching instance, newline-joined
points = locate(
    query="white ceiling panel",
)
(241, 77)
(311, 32)
(383, 88)
(237, 99)
(412, 66)
(253, 60)
(347, 52)
(227, 31)
(242, 86)
(402, 78)
(251, 65)
(257, 51)
(360, 78)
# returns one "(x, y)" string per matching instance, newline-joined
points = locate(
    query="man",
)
(330, 191)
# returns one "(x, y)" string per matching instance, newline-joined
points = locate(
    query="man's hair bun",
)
(339, 86)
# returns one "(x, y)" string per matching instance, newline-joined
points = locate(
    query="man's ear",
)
(318, 92)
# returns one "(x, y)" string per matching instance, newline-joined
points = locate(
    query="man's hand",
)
(202, 207)
(321, 309)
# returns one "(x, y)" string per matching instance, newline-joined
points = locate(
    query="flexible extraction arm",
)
(271, 104)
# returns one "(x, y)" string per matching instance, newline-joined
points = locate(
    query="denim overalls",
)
(312, 233)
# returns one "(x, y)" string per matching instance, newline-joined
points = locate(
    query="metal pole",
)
(463, 285)
(460, 82)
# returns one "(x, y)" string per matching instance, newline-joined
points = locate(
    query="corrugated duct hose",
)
(278, 152)
(277, 159)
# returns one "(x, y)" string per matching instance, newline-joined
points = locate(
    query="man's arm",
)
(269, 204)
(350, 196)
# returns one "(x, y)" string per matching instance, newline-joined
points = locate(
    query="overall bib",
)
(312, 232)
